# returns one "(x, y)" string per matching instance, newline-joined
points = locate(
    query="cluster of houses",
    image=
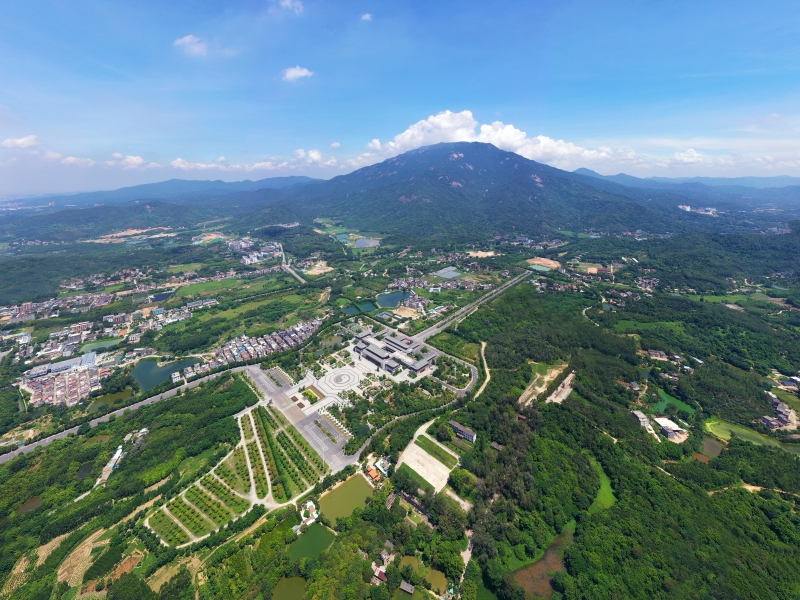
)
(101, 279)
(669, 429)
(647, 283)
(66, 382)
(785, 418)
(246, 348)
(28, 311)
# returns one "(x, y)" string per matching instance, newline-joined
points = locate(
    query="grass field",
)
(605, 495)
(724, 430)
(667, 399)
(629, 326)
(207, 286)
(436, 451)
(417, 478)
(184, 268)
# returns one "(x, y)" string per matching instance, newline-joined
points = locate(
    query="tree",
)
(130, 587)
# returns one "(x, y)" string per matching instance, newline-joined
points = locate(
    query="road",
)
(449, 320)
(287, 266)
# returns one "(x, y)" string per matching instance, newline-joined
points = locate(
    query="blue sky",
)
(97, 95)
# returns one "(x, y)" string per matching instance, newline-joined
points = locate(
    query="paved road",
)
(449, 320)
(4, 458)
(287, 266)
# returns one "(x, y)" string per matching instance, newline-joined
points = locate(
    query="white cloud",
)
(295, 73)
(78, 162)
(192, 45)
(19, 143)
(366, 17)
(52, 155)
(336, 145)
(130, 162)
(294, 5)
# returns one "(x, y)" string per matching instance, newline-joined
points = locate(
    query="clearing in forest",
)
(543, 375)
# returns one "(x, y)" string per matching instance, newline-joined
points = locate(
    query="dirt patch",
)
(544, 262)
(406, 312)
(47, 549)
(481, 254)
(127, 565)
(563, 390)
(158, 484)
(17, 577)
(536, 578)
(319, 268)
(162, 576)
(76, 564)
(702, 457)
(538, 385)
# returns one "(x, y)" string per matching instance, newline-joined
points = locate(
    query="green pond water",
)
(345, 498)
(97, 439)
(109, 399)
(437, 579)
(391, 300)
(30, 504)
(667, 399)
(148, 374)
(290, 588)
(712, 447)
(85, 469)
(312, 543)
(102, 345)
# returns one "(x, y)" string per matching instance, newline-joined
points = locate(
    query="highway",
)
(461, 313)
(287, 267)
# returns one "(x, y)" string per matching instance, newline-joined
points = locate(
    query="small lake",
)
(437, 579)
(712, 447)
(148, 374)
(342, 237)
(85, 470)
(367, 243)
(102, 345)
(350, 310)
(392, 299)
(345, 498)
(332, 341)
(108, 399)
(290, 588)
(312, 543)
(359, 308)
(97, 439)
(30, 504)
(535, 578)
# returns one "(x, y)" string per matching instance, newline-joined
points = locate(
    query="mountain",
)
(175, 189)
(462, 189)
(748, 182)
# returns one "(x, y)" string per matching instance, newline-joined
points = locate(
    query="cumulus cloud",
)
(336, 145)
(20, 143)
(366, 17)
(192, 45)
(296, 6)
(52, 155)
(78, 162)
(130, 162)
(301, 159)
(295, 73)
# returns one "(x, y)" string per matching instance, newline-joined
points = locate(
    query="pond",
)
(701, 457)
(667, 399)
(712, 447)
(332, 341)
(290, 588)
(312, 543)
(392, 299)
(30, 504)
(108, 399)
(437, 579)
(342, 500)
(536, 577)
(102, 345)
(97, 439)
(367, 243)
(350, 310)
(85, 470)
(148, 374)
(367, 307)
(342, 237)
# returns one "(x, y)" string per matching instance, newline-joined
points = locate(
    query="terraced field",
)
(167, 529)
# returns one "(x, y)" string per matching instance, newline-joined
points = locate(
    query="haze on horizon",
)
(99, 97)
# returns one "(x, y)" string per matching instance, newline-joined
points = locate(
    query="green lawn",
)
(605, 495)
(725, 430)
(436, 451)
(667, 399)
(417, 478)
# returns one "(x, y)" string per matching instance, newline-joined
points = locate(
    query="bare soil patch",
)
(538, 385)
(47, 549)
(127, 565)
(76, 564)
(544, 262)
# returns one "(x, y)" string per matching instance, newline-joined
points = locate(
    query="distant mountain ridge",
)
(177, 188)
(777, 181)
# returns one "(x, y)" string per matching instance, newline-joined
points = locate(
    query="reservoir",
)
(109, 399)
(148, 374)
(102, 345)
(391, 299)
(367, 243)
(342, 500)
(312, 543)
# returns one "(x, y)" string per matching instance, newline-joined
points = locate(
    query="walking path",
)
(485, 368)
